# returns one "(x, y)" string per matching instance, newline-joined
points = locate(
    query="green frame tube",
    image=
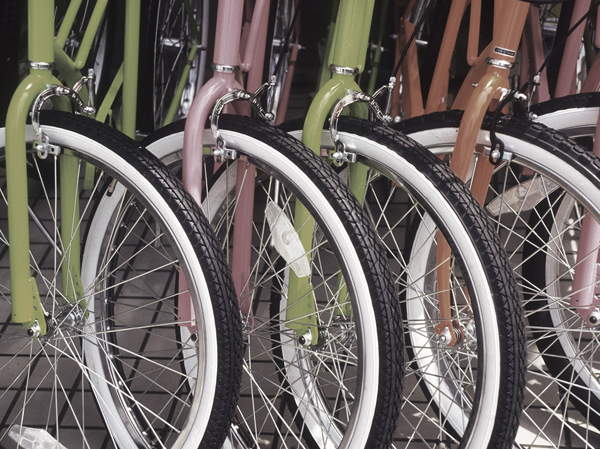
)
(67, 23)
(25, 303)
(348, 49)
(176, 101)
(69, 227)
(131, 66)
(128, 75)
(90, 33)
(384, 7)
(26, 307)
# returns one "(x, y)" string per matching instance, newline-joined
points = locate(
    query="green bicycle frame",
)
(127, 76)
(26, 307)
(348, 50)
(43, 48)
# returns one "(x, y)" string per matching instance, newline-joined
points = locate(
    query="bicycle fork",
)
(586, 288)
(586, 291)
(26, 306)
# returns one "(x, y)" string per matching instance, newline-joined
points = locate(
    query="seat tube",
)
(26, 307)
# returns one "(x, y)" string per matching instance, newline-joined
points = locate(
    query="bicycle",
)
(99, 356)
(537, 198)
(479, 265)
(170, 37)
(338, 349)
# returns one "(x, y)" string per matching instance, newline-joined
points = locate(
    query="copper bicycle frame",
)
(482, 88)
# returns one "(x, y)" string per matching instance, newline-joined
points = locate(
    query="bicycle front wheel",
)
(538, 200)
(472, 371)
(338, 386)
(116, 368)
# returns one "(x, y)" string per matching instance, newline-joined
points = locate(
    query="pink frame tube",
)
(592, 80)
(566, 76)
(534, 54)
(227, 53)
(584, 297)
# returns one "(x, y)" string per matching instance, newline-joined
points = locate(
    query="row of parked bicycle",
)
(180, 267)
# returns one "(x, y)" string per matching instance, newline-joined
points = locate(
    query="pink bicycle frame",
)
(586, 276)
(227, 61)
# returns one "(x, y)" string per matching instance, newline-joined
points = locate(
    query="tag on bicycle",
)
(505, 52)
(286, 240)
(522, 197)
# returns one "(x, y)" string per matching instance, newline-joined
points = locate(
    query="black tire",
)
(300, 171)
(553, 174)
(576, 116)
(408, 189)
(113, 373)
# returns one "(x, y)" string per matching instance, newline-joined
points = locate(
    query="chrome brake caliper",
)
(221, 152)
(340, 156)
(42, 144)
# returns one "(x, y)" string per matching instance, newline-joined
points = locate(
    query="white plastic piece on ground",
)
(286, 240)
(522, 197)
(31, 438)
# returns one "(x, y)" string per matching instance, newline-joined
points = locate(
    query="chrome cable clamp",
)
(344, 70)
(42, 65)
(42, 144)
(223, 68)
(221, 152)
(500, 63)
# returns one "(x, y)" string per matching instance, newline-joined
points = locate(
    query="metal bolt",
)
(305, 339)
(520, 96)
(218, 154)
(34, 331)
